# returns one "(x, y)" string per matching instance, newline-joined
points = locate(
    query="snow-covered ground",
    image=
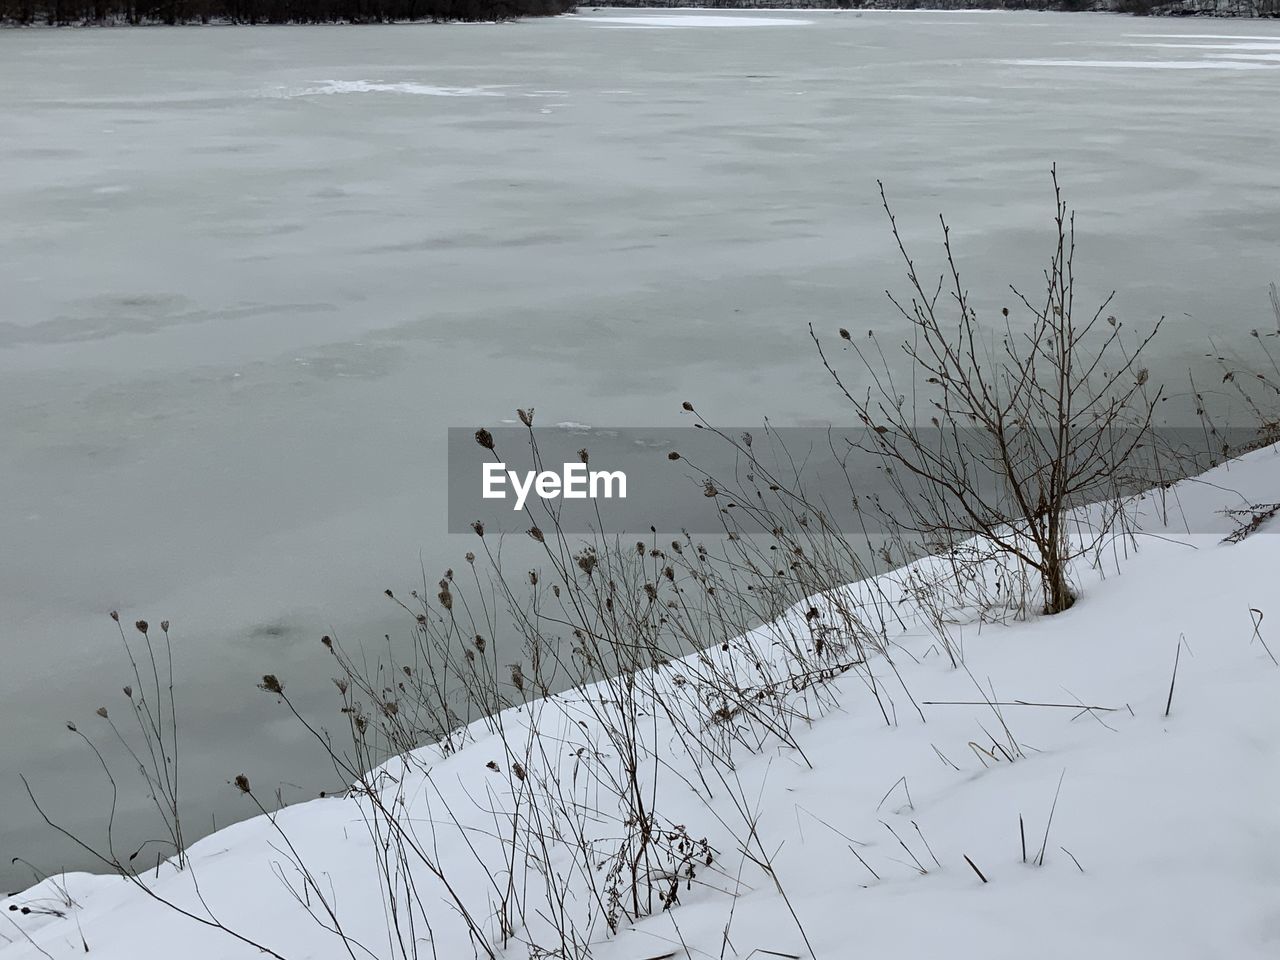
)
(1150, 822)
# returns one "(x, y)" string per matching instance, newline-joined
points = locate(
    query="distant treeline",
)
(71, 12)
(75, 12)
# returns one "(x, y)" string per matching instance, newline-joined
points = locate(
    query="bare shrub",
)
(1000, 432)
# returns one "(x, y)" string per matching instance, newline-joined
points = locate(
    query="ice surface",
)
(692, 20)
(1144, 64)
(367, 86)
(1237, 55)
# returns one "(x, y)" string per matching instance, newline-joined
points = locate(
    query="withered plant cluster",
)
(614, 685)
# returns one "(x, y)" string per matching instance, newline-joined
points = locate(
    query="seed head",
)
(271, 683)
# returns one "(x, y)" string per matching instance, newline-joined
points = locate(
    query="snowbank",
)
(1150, 822)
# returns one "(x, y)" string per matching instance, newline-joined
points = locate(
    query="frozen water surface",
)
(251, 275)
(691, 20)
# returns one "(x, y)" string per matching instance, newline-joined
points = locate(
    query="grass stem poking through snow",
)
(1049, 823)
(1174, 679)
(1257, 616)
(973, 865)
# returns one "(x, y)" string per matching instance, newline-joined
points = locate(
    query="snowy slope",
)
(1164, 840)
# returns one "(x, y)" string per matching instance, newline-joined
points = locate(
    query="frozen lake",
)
(250, 276)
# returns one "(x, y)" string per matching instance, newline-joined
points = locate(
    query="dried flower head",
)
(271, 683)
(484, 438)
(242, 783)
